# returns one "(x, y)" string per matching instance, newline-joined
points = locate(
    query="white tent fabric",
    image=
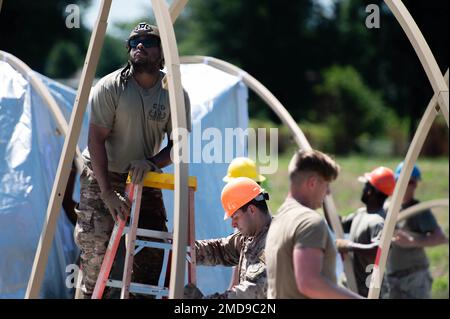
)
(219, 101)
(29, 154)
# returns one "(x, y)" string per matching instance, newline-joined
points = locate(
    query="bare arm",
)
(162, 159)
(96, 144)
(345, 245)
(309, 279)
(408, 240)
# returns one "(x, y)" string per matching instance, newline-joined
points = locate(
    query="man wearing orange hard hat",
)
(366, 224)
(244, 201)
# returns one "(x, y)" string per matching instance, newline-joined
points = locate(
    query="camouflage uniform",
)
(245, 252)
(412, 285)
(95, 224)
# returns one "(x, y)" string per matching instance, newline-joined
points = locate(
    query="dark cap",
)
(143, 28)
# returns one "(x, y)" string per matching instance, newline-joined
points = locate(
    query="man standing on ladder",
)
(365, 225)
(407, 269)
(244, 201)
(130, 114)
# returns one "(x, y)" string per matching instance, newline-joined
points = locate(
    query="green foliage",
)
(440, 288)
(385, 57)
(63, 60)
(320, 136)
(114, 55)
(348, 108)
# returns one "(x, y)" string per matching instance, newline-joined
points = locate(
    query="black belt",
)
(406, 272)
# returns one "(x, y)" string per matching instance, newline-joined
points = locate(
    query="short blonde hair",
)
(313, 161)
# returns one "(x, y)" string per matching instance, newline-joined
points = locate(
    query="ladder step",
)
(155, 239)
(140, 288)
(153, 244)
(150, 233)
(158, 245)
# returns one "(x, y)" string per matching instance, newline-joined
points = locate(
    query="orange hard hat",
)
(237, 193)
(382, 178)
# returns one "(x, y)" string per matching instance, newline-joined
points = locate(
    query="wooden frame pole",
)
(439, 102)
(176, 8)
(177, 109)
(297, 133)
(65, 162)
(415, 209)
(399, 192)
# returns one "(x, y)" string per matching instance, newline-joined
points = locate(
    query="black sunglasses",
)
(146, 42)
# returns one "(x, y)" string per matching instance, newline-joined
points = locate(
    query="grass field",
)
(346, 191)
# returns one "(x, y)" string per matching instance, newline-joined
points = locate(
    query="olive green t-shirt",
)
(399, 258)
(364, 228)
(295, 226)
(138, 118)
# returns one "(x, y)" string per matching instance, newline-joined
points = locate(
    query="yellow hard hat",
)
(243, 167)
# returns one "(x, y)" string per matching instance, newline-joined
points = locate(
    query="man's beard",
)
(365, 198)
(145, 66)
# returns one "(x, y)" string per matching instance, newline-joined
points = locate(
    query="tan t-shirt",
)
(138, 118)
(295, 226)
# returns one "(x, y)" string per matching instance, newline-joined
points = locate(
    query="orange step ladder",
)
(134, 246)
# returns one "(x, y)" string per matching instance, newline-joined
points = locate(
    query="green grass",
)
(346, 192)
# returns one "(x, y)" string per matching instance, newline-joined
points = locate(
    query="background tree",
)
(30, 30)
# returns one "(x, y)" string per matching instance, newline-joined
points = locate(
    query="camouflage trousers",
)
(416, 285)
(94, 227)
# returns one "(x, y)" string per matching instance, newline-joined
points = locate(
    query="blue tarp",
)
(30, 149)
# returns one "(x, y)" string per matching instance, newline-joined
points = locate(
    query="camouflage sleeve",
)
(223, 251)
(253, 287)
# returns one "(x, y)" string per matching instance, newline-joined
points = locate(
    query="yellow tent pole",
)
(65, 162)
